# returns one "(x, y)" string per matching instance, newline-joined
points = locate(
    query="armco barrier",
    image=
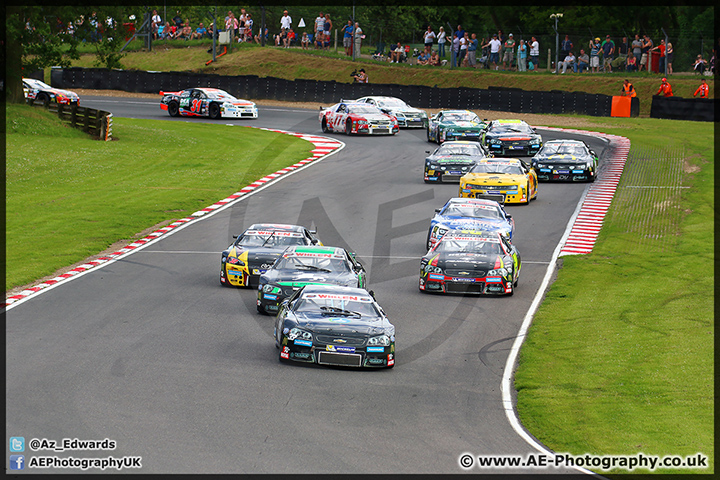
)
(677, 108)
(329, 92)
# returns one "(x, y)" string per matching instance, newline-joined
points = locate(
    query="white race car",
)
(406, 115)
(207, 102)
(360, 118)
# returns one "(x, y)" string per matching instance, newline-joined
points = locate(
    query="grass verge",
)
(75, 196)
(619, 358)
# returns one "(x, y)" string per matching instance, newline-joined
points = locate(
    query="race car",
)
(505, 180)
(300, 266)
(254, 252)
(333, 325)
(406, 115)
(511, 138)
(455, 125)
(481, 263)
(359, 118)
(469, 214)
(565, 160)
(206, 102)
(43, 93)
(452, 160)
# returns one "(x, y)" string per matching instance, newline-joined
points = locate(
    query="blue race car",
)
(470, 214)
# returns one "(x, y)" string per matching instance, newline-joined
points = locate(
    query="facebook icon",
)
(17, 462)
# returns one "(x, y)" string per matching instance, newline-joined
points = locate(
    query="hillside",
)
(295, 63)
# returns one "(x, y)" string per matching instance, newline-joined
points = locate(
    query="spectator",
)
(177, 20)
(361, 77)
(501, 37)
(248, 28)
(534, 55)
(166, 31)
(637, 49)
(661, 62)
(327, 26)
(423, 59)
(669, 54)
(568, 62)
(231, 23)
(595, 55)
(347, 37)
(210, 32)
(186, 32)
(665, 88)
(305, 41)
(565, 47)
(456, 50)
(645, 57)
(319, 39)
(509, 50)
(241, 25)
(472, 51)
(608, 49)
(464, 41)
(459, 33)
(285, 22)
(319, 23)
(396, 56)
(156, 23)
(441, 42)
(358, 36)
(621, 51)
(258, 38)
(627, 88)
(289, 39)
(522, 54)
(583, 60)
(703, 89)
(429, 37)
(631, 64)
(700, 65)
(199, 32)
(434, 58)
(495, 51)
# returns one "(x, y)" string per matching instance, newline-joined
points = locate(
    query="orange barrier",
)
(223, 53)
(620, 106)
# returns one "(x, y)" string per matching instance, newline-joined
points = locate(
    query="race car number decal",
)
(196, 105)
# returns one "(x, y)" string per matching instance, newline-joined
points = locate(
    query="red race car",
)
(358, 118)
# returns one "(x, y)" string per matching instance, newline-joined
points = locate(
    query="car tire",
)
(261, 310)
(591, 179)
(527, 187)
(348, 127)
(214, 111)
(173, 109)
(427, 241)
(44, 99)
(427, 132)
(324, 126)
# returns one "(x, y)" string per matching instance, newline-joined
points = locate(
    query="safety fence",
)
(94, 122)
(677, 108)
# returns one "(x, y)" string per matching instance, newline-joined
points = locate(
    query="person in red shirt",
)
(665, 88)
(703, 90)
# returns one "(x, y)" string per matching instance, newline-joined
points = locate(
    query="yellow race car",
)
(505, 180)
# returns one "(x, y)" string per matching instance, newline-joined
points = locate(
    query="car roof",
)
(566, 141)
(501, 161)
(314, 250)
(459, 142)
(337, 289)
(456, 111)
(473, 235)
(275, 226)
(509, 121)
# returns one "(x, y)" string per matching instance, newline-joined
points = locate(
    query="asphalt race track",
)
(150, 350)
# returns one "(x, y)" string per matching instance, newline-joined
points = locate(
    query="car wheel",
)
(427, 241)
(427, 132)
(348, 127)
(324, 126)
(261, 310)
(44, 99)
(591, 178)
(173, 109)
(527, 189)
(214, 111)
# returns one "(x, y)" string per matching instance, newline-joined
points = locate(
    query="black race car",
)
(452, 160)
(253, 252)
(511, 138)
(300, 266)
(481, 263)
(334, 325)
(566, 160)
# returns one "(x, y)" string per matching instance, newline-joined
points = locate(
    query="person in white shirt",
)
(568, 62)
(495, 45)
(320, 23)
(285, 21)
(429, 37)
(535, 53)
(441, 42)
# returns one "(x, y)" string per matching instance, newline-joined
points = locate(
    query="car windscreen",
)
(330, 304)
(271, 239)
(502, 168)
(392, 103)
(362, 109)
(36, 83)
(468, 245)
(472, 211)
(331, 263)
(560, 149)
(460, 117)
(446, 149)
(512, 128)
(224, 96)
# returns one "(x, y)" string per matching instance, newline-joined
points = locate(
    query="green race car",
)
(455, 125)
